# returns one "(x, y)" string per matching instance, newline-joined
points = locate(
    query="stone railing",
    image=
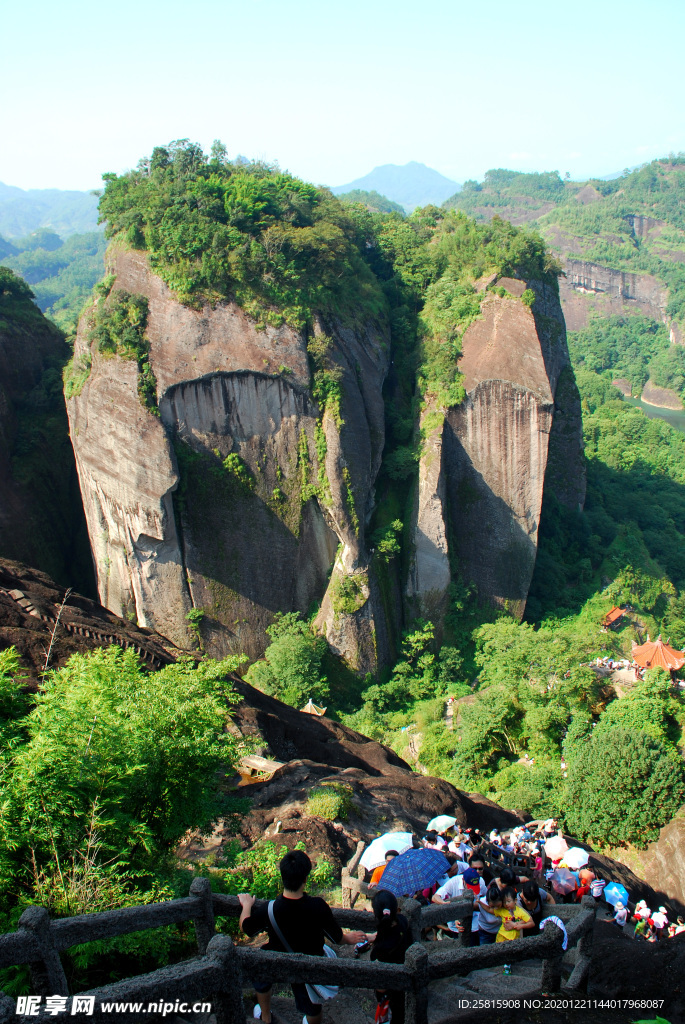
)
(497, 857)
(221, 968)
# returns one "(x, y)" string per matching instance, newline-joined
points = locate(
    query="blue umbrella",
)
(615, 893)
(414, 870)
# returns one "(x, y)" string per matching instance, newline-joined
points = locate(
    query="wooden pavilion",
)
(657, 654)
(613, 617)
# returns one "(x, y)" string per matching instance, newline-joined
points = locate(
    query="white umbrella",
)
(556, 847)
(441, 823)
(575, 858)
(374, 855)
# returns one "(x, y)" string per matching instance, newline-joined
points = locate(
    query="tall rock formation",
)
(41, 519)
(485, 464)
(241, 497)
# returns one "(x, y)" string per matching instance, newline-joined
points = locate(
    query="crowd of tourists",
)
(506, 907)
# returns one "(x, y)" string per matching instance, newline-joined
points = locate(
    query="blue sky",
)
(330, 90)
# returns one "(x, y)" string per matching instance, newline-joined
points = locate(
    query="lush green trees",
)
(619, 346)
(282, 247)
(623, 786)
(372, 201)
(109, 757)
(291, 669)
(61, 273)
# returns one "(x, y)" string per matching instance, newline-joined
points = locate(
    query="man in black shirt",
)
(303, 920)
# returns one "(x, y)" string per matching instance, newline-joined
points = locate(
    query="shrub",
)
(291, 669)
(622, 786)
(75, 374)
(347, 593)
(331, 802)
(138, 751)
(240, 470)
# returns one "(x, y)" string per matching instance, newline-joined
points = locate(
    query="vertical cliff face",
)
(240, 498)
(589, 286)
(41, 519)
(484, 468)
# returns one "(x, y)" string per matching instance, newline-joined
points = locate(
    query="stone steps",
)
(358, 1006)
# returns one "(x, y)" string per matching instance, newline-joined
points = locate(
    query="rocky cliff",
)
(589, 286)
(242, 497)
(486, 463)
(41, 520)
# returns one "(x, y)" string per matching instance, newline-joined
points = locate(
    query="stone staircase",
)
(358, 1006)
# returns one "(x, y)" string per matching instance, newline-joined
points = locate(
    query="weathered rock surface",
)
(663, 398)
(35, 612)
(589, 286)
(662, 864)
(174, 526)
(385, 794)
(41, 520)
(624, 386)
(483, 472)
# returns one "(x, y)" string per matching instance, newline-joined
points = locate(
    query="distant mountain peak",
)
(412, 184)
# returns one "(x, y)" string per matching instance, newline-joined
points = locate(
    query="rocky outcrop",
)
(624, 386)
(40, 618)
(662, 398)
(384, 793)
(517, 431)
(589, 286)
(429, 567)
(236, 498)
(41, 519)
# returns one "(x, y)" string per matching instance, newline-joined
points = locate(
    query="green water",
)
(675, 417)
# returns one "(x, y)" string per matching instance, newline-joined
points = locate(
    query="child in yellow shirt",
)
(515, 919)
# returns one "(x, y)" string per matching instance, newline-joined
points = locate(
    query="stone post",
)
(201, 888)
(416, 998)
(551, 965)
(47, 974)
(412, 911)
(465, 936)
(586, 940)
(228, 1000)
(346, 891)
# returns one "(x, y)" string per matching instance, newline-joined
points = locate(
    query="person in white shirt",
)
(620, 915)
(660, 921)
(453, 889)
(642, 910)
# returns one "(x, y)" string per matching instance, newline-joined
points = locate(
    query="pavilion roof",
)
(310, 708)
(613, 616)
(657, 654)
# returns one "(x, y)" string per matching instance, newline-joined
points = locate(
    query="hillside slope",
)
(622, 241)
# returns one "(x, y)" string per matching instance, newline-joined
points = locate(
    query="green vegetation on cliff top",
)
(284, 249)
(594, 220)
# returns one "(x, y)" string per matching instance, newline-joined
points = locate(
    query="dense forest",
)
(534, 726)
(61, 272)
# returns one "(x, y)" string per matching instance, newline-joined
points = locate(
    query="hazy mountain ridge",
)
(67, 212)
(412, 184)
